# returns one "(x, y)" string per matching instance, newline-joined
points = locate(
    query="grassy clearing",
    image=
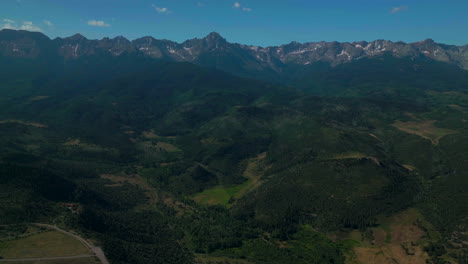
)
(90, 260)
(254, 174)
(221, 195)
(43, 245)
(425, 129)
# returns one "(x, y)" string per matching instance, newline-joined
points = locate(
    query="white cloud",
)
(398, 9)
(98, 23)
(48, 23)
(239, 6)
(29, 26)
(162, 10)
(8, 26)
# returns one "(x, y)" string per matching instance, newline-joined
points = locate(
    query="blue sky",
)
(254, 22)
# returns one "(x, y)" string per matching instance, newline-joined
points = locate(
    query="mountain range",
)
(214, 51)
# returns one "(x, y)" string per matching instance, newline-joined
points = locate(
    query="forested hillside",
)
(174, 163)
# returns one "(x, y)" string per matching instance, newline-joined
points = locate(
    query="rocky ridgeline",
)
(211, 49)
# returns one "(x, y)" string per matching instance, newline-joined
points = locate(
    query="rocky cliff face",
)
(215, 51)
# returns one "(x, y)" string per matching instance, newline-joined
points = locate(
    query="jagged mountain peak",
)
(214, 40)
(429, 41)
(117, 40)
(76, 37)
(214, 36)
(120, 38)
(145, 38)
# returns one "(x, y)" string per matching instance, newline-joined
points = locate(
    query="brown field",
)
(398, 239)
(43, 245)
(425, 129)
(26, 123)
